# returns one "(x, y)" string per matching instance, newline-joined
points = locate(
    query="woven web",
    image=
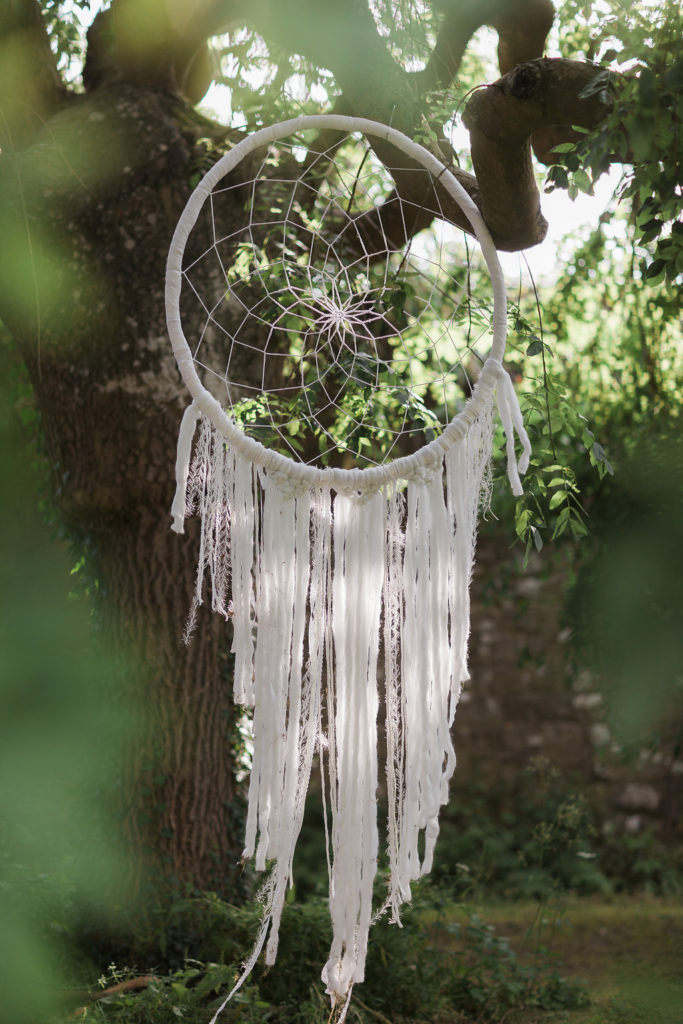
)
(326, 331)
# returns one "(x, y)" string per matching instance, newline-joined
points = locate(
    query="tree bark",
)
(90, 208)
(501, 119)
(184, 813)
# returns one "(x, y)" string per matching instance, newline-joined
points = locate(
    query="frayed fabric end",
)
(182, 466)
(513, 422)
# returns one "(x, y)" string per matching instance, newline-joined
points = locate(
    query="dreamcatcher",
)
(338, 474)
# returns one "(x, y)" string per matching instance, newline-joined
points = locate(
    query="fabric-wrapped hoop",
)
(372, 478)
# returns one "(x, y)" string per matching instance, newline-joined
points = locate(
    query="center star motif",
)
(337, 317)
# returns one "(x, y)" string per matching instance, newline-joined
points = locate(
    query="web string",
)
(322, 338)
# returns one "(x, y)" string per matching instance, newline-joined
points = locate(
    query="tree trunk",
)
(183, 811)
(100, 192)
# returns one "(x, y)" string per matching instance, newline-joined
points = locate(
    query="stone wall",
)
(525, 699)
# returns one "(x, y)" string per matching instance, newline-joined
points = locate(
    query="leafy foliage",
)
(643, 129)
(65, 29)
(613, 317)
(539, 840)
(265, 84)
(437, 960)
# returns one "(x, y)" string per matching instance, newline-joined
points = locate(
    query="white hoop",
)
(371, 478)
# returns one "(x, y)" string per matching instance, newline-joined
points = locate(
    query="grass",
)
(628, 952)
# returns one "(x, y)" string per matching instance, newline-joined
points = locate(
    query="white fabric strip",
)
(356, 599)
(309, 578)
(242, 534)
(188, 426)
(299, 744)
(393, 693)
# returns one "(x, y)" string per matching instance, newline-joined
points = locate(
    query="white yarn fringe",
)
(310, 584)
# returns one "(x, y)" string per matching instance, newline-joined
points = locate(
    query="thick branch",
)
(501, 119)
(344, 38)
(522, 27)
(460, 24)
(157, 43)
(30, 87)
(421, 200)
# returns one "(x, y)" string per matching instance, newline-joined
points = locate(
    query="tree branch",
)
(461, 22)
(501, 119)
(522, 27)
(158, 43)
(31, 90)
(87, 996)
(345, 39)
(421, 200)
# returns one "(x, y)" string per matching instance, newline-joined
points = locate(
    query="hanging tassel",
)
(512, 420)
(310, 572)
(188, 426)
(440, 755)
(242, 540)
(414, 685)
(208, 494)
(221, 498)
(425, 671)
(311, 583)
(276, 583)
(393, 694)
(356, 598)
(298, 748)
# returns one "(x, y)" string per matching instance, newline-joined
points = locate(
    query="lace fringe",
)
(313, 584)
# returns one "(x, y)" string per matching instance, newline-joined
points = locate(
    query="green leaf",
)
(649, 236)
(538, 540)
(583, 180)
(596, 86)
(564, 147)
(656, 268)
(557, 177)
(647, 88)
(522, 520)
(557, 499)
(562, 522)
(604, 465)
(535, 347)
(213, 979)
(578, 527)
